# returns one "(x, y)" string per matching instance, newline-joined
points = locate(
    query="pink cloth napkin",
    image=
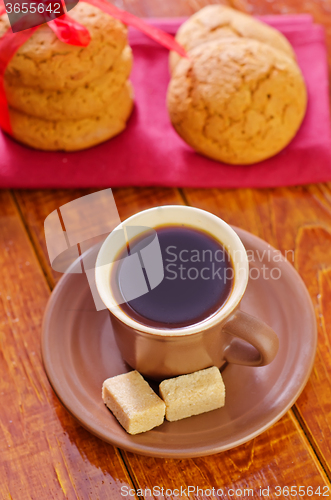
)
(150, 152)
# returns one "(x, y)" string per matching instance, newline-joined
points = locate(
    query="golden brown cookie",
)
(72, 135)
(74, 104)
(45, 62)
(217, 21)
(238, 103)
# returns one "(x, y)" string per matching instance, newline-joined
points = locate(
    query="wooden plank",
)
(284, 444)
(279, 457)
(298, 222)
(267, 460)
(45, 454)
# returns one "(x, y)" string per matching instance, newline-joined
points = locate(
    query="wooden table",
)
(45, 454)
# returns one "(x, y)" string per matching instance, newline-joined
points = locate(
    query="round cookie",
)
(73, 135)
(238, 103)
(76, 104)
(46, 62)
(217, 21)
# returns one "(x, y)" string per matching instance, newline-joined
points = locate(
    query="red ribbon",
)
(9, 44)
(69, 31)
(156, 34)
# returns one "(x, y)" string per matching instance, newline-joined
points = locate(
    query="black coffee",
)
(198, 279)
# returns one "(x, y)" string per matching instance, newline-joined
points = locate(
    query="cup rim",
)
(231, 304)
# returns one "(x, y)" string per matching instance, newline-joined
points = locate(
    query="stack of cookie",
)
(64, 97)
(240, 97)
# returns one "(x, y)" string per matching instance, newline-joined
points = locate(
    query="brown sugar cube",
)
(193, 394)
(133, 402)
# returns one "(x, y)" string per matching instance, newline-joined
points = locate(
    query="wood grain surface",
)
(297, 220)
(270, 459)
(279, 457)
(45, 454)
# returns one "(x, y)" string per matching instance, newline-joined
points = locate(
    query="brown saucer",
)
(79, 353)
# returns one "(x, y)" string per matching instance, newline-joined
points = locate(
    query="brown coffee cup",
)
(228, 336)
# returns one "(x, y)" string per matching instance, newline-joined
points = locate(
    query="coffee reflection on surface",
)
(198, 279)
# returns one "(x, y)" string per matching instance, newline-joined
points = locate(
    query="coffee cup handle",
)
(255, 332)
